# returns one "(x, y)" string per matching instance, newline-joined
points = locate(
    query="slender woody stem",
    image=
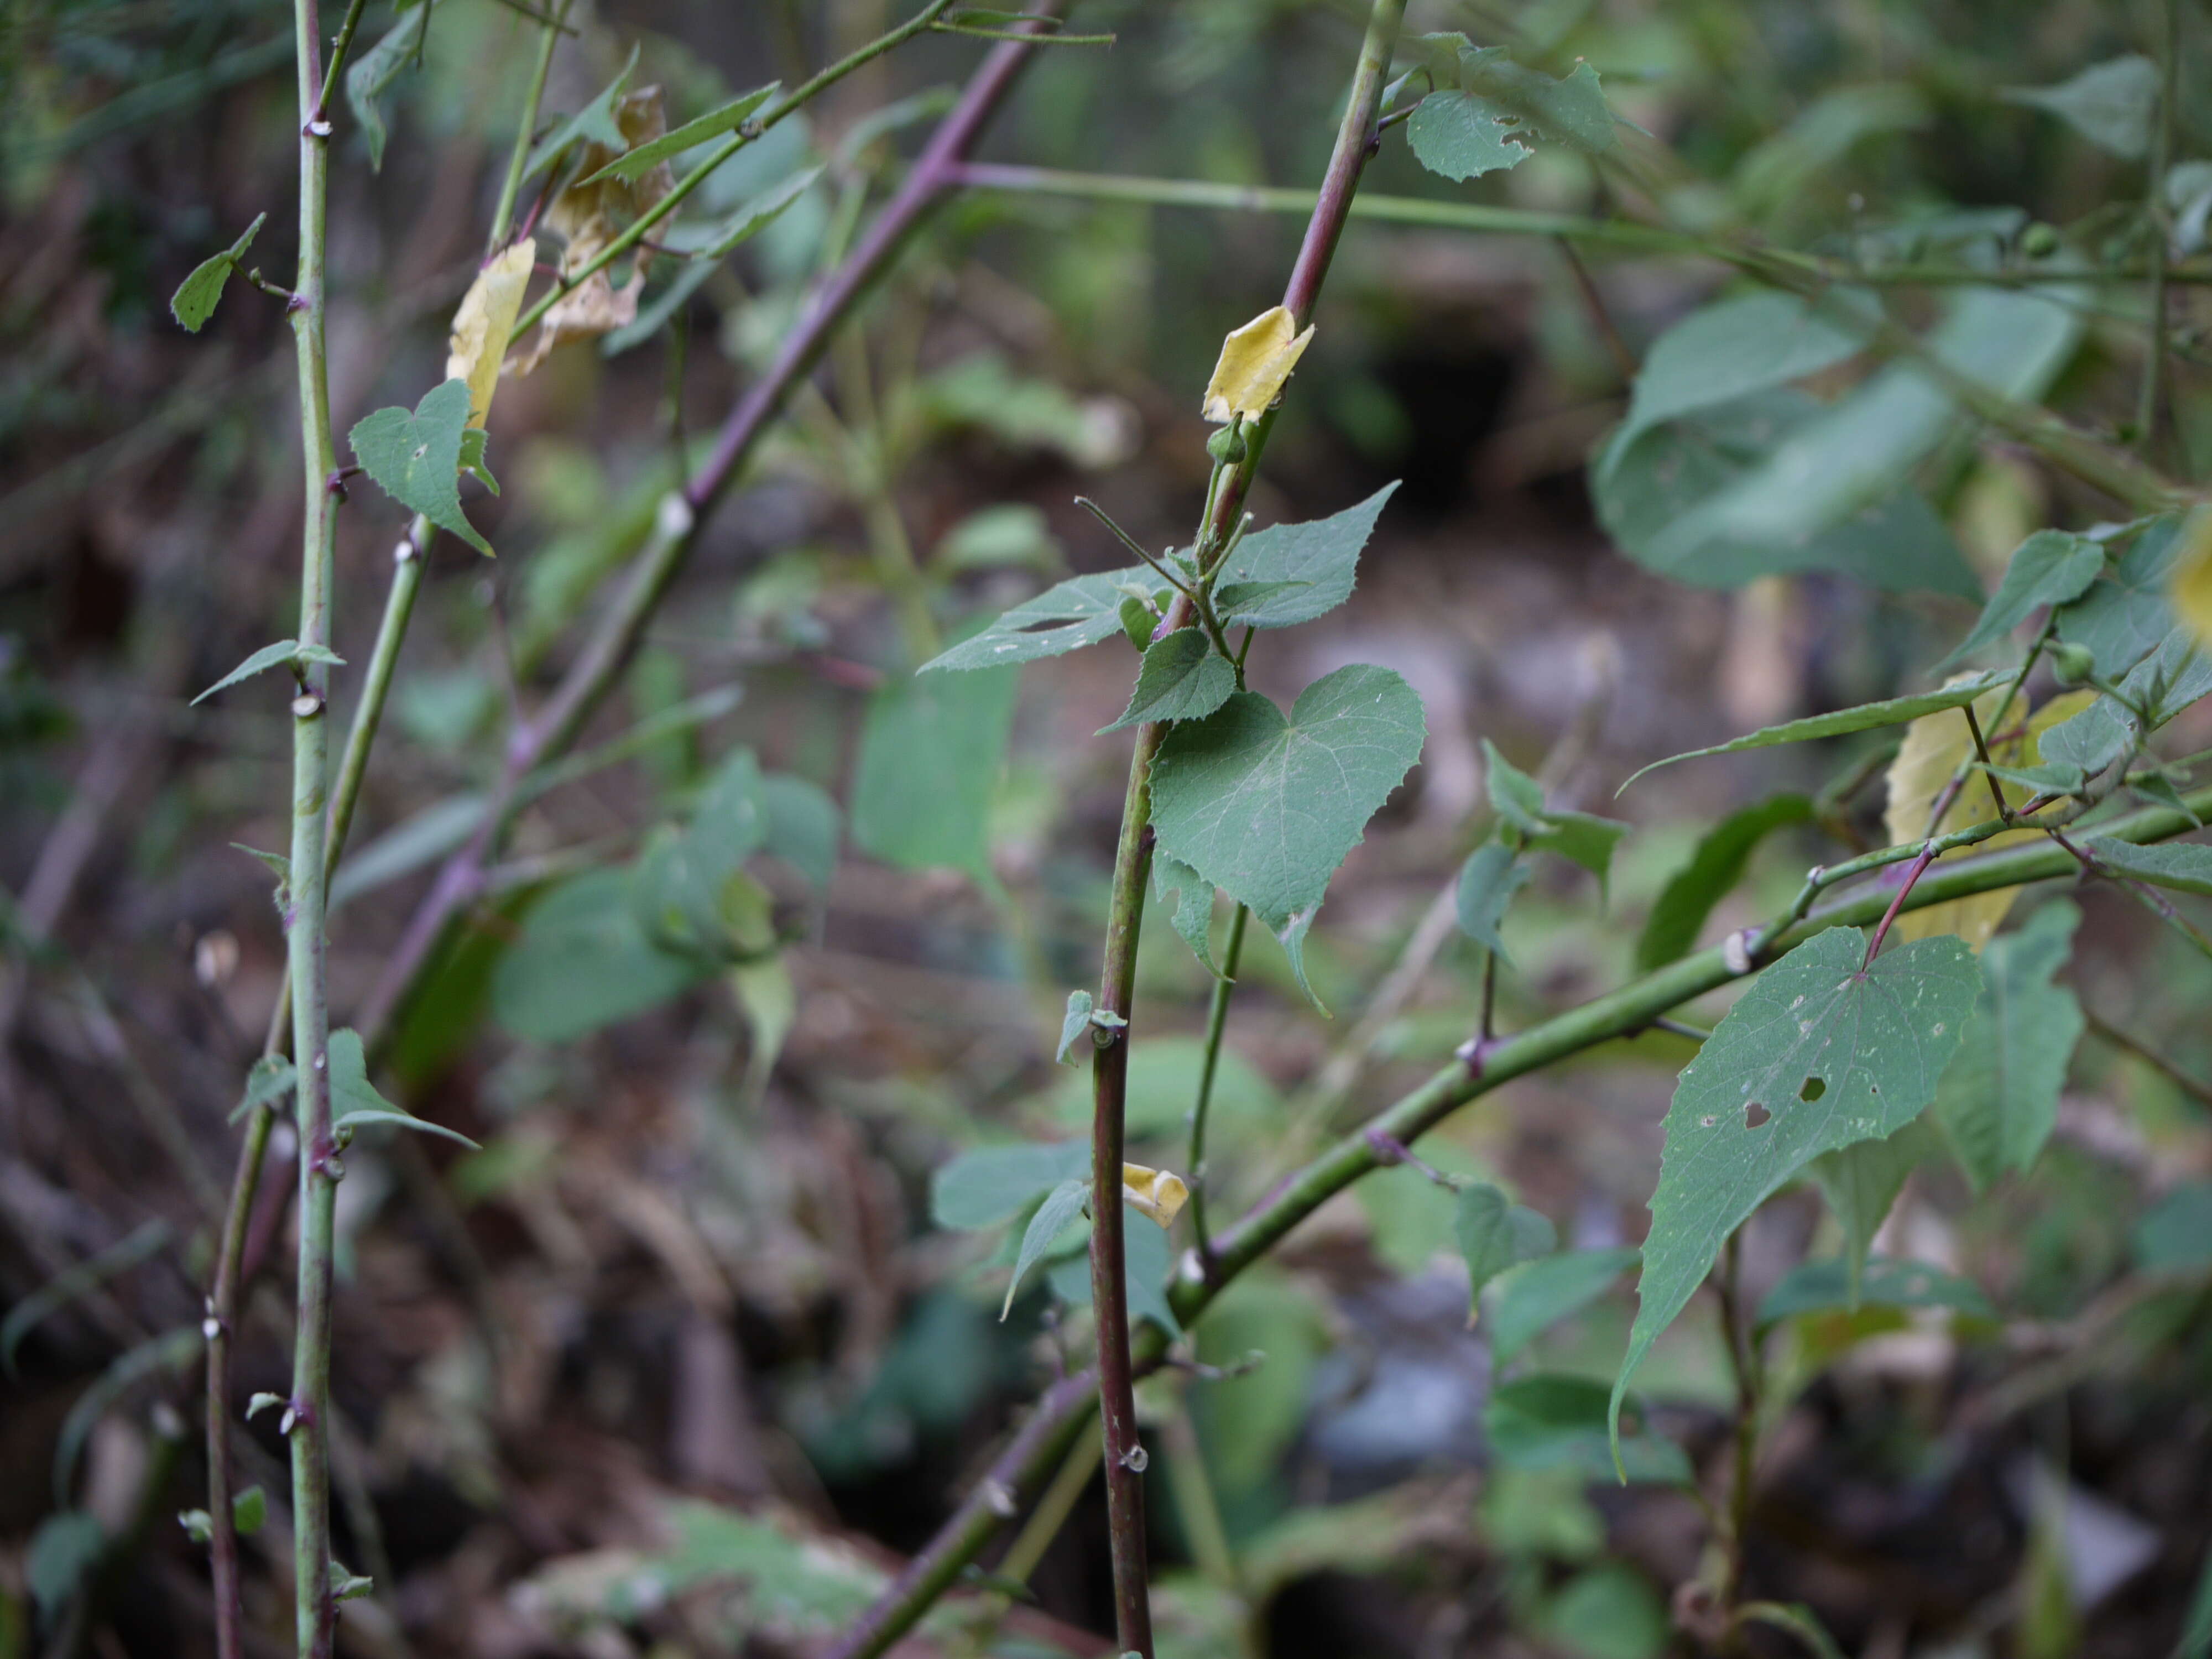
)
(1217, 1022)
(308, 1412)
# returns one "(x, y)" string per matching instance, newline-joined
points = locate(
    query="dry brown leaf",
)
(591, 215)
(1934, 746)
(485, 321)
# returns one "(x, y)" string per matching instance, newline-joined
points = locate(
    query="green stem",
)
(1051, 1513)
(1066, 1407)
(1216, 1021)
(502, 218)
(2149, 406)
(308, 1413)
(635, 231)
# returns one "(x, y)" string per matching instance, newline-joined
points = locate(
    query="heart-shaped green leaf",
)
(417, 459)
(1266, 808)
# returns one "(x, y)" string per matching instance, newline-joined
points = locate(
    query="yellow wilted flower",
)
(2193, 577)
(1159, 1193)
(1934, 746)
(1255, 359)
(484, 322)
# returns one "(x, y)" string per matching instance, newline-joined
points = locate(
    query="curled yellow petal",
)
(1255, 359)
(1158, 1193)
(2193, 577)
(485, 320)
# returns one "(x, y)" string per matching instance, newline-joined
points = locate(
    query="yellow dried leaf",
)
(591, 215)
(1255, 359)
(485, 320)
(2193, 577)
(1159, 1193)
(1934, 746)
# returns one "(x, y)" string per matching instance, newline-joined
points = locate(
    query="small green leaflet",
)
(1998, 1101)
(932, 750)
(596, 123)
(1309, 568)
(1887, 1282)
(1734, 348)
(1182, 678)
(1074, 1026)
(195, 297)
(1193, 914)
(741, 226)
(1895, 711)
(249, 1511)
(1494, 1233)
(2185, 866)
(1861, 1183)
(992, 1184)
(1549, 1422)
(1266, 808)
(1531, 1299)
(2052, 567)
(2111, 104)
(417, 459)
(1478, 118)
(1818, 1054)
(1060, 1207)
(1492, 874)
(270, 1078)
(1519, 801)
(289, 651)
(1670, 932)
(1065, 617)
(375, 71)
(635, 164)
(354, 1099)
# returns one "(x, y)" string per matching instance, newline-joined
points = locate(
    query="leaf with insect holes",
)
(267, 657)
(1182, 677)
(2111, 104)
(1819, 1054)
(1255, 360)
(1494, 1233)
(415, 458)
(992, 1184)
(1061, 1205)
(1998, 1101)
(1891, 711)
(1266, 808)
(1064, 618)
(1315, 563)
(354, 1099)
(1670, 932)
(195, 297)
(372, 73)
(2051, 567)
(1492, 874)
(728, 118)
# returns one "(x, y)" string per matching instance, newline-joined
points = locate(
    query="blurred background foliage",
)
(677, 1362)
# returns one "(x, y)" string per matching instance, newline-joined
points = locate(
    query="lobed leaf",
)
(1820, 1053)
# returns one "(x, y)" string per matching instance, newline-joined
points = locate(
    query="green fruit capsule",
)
(2072, 663)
